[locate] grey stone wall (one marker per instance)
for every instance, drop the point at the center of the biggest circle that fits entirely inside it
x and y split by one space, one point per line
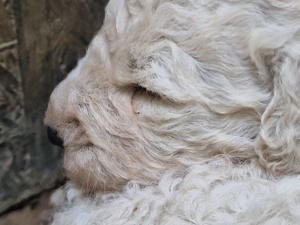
40 42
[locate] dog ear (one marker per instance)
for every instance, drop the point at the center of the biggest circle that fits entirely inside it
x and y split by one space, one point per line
276 52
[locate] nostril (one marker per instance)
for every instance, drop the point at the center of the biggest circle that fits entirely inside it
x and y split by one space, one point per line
54 138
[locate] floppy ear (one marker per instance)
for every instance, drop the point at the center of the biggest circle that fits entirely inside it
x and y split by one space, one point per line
278 144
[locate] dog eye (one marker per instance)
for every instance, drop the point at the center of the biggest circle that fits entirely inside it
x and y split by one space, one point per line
140 90
142 94
72 120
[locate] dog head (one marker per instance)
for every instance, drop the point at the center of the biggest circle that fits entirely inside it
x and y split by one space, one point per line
162 86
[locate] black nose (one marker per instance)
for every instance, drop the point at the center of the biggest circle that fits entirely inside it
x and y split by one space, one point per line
54 138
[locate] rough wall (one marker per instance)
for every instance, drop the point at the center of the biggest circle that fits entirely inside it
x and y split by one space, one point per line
40 42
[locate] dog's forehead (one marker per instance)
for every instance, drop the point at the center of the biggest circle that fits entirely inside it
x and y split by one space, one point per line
115 11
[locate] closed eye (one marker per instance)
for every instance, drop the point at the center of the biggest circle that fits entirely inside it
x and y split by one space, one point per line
140 90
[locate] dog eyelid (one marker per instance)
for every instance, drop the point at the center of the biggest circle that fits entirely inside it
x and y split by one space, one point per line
137 87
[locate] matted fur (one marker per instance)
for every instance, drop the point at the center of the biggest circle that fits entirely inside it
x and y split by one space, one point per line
184 112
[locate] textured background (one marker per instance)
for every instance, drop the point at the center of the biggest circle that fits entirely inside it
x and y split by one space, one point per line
40 42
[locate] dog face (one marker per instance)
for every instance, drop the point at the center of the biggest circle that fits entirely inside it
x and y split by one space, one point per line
162 86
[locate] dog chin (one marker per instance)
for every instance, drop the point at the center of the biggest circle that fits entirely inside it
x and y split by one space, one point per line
82 168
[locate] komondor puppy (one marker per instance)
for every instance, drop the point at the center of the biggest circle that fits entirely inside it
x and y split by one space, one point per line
183 112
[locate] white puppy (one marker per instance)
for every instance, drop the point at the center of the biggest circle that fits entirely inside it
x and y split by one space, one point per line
184 112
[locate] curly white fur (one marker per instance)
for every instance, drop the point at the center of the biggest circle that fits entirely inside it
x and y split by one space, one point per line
216 192
184 112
